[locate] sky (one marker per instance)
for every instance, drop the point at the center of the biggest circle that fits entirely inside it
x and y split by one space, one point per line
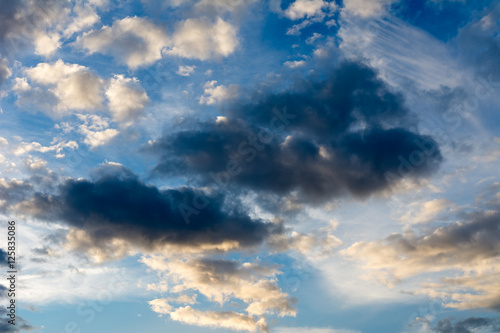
284 166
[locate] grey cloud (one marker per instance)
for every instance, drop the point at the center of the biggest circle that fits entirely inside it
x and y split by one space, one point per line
469 325
347 134
119 205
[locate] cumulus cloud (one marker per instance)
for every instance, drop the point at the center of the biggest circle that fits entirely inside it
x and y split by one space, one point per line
214 94
326 139
134 41
118 211
96 130
305 8
45 25
223 319
470 246
59 88
27 147
222 281
200 38
126 98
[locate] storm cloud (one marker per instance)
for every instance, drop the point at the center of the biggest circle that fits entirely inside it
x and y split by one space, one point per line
118 206
346 135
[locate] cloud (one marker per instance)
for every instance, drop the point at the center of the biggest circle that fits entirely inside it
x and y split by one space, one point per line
223 319
367 8
45 25
96 130
324 139
118 212
295 64
305 8
5 71
470 247
215 94
21 325
479 43
199 38
185 70
134 41
25 147
126 97
222 281
469 325
3 254
59 88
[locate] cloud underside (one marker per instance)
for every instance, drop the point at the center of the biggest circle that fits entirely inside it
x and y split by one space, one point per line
118 210
346 135
466 252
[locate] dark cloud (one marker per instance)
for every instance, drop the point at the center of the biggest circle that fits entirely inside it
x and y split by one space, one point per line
5 327
119 205
12 192
468 325
3 258
347 134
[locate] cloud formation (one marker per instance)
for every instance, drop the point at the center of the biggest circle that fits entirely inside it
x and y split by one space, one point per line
134 41
200 38
470 247
118 210
345 135
222 281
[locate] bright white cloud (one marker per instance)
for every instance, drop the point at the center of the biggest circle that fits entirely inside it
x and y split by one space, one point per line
295 63
46 44
25 147
202 39
60 88
134 41
226 319
214 94
305 8
96 130
126 97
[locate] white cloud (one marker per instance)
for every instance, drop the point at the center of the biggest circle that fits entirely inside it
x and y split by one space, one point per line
202 39
25 147
96 130
46 44
226 319
185 70
214 94
427 211
305 8
60 88
367 8
160 306
220 281
295 64
134 41
126 97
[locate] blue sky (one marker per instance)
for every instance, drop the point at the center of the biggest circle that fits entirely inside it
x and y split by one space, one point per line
312 166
